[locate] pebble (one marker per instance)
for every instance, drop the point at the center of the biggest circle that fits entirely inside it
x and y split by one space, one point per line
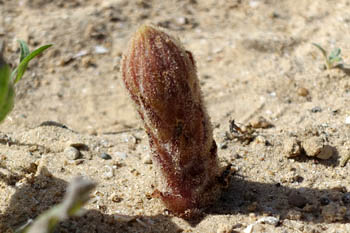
326 152
121 155
346 198
109 173
99 49
294 215
254 4
312 146
255 227
81 53
115 198
347 120
223 145
87 61
292 147
316 109
147 159
181 20
345 159
260 123
72 153
261 140
105 156
296 199
324 200
302 91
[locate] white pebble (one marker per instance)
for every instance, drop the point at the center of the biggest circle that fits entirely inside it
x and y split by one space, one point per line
347 120
72 153
109 173
99 49
147 159
121 155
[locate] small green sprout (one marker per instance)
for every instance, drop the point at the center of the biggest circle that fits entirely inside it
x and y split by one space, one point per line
8 79
77 195
331 60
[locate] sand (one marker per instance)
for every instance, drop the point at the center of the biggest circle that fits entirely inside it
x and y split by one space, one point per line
256 65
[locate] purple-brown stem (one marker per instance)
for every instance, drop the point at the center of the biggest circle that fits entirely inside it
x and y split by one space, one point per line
161 78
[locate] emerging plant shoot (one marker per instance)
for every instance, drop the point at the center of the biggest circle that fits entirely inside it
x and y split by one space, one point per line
161 79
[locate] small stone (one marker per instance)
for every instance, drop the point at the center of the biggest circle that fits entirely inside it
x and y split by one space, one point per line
312 146
105 156
302 91
296 199
64 61
181 20
147 159
260 123
81 53
345 159
347 120
121 155
326 152
292 147
99 49
72 153
87 61
115 198
316 109
324 200
294 215
346 198
109 172
261 140
254 4
271 220
223 145
53 123
33 148
78 161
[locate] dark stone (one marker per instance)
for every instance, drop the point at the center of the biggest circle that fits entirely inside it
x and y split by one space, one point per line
105 156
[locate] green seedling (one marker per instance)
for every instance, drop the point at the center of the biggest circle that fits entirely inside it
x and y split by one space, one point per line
8 79
333 59
77 195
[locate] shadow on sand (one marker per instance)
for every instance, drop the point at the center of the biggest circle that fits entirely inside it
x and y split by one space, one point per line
45 190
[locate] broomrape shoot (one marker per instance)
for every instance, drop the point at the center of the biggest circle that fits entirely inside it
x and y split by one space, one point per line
333 59
8 79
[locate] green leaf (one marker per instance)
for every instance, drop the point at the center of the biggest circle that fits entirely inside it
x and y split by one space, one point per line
335 53
335 60
77 195
8 104
7 93
24 49
24 63
324 52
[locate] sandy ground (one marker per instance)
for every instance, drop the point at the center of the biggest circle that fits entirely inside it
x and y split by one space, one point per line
254 58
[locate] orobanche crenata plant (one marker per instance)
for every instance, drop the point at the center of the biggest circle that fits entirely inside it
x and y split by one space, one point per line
161 79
